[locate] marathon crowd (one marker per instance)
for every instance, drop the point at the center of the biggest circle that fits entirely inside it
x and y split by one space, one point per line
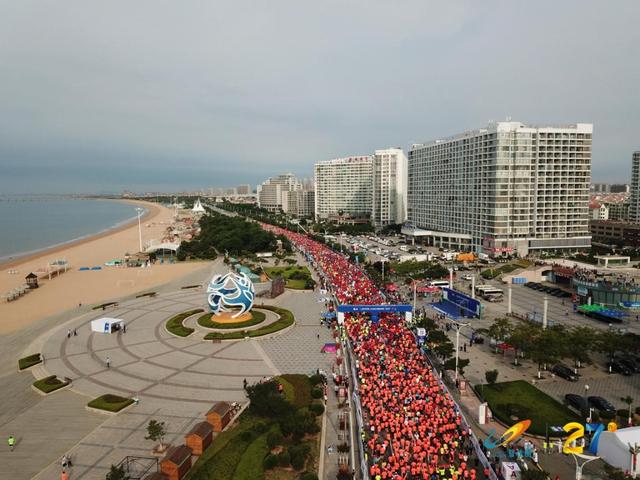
413 428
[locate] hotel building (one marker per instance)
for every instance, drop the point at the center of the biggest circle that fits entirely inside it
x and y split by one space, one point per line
505 189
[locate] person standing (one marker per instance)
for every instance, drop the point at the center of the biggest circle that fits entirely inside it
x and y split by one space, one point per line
11 441
75 332
108 362
69 333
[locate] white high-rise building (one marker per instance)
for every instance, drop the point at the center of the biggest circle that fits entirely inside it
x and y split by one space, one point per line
389 187
505 189
270 191
634 204
344 188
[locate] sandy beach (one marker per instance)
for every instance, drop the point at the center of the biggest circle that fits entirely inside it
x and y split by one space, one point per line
88 287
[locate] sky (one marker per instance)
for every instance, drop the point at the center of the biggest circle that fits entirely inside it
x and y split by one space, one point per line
155 95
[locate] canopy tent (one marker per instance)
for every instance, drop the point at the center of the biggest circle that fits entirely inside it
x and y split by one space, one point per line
106 325
600 312
615 448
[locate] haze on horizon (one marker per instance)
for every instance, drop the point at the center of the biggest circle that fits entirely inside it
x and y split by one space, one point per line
160 95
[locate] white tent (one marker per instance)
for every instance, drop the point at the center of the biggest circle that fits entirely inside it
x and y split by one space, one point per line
615 448
197 207
106 325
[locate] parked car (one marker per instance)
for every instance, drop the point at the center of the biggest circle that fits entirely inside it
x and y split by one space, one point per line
577 401
564 372
631 363
617 366
601 404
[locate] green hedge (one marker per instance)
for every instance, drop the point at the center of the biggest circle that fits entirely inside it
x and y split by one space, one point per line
110 403
256 318
286 319
175 326
50 384
29 361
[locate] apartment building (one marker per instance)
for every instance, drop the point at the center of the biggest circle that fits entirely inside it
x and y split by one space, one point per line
344 187
634 202
502 190
299 203
270 191
389 193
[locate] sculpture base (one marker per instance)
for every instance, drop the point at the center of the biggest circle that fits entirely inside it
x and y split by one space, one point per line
227 317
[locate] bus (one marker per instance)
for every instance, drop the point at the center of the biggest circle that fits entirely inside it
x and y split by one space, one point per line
439 283
485 290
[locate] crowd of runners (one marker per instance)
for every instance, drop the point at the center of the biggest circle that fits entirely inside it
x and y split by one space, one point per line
413 429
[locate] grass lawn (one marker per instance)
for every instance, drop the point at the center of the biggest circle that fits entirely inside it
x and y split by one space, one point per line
110 403
207 322
297 389
29 361
292 270
286 319
511 402
175 326
49 384
239 452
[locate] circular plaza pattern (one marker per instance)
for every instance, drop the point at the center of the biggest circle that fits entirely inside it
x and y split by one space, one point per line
150 363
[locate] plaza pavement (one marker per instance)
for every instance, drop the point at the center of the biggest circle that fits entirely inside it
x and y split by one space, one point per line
176 379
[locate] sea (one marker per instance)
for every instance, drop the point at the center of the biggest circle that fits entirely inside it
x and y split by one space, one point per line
32 223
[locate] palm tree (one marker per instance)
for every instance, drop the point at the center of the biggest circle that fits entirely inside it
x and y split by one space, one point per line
629 401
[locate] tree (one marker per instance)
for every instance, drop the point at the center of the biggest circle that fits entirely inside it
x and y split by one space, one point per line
462 363
609 342
266 400
546 346
117 473
579 342
629 401
520 337
491 376
499 330
156 432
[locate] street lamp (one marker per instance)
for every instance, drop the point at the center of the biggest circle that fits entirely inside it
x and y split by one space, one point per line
139 210
586 400
458 327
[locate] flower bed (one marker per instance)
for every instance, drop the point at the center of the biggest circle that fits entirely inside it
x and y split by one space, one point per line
50 384
207 322
29 361
286 319
174 324
110 403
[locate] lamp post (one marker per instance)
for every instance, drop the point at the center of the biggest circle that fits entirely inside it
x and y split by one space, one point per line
139 210
586 401
458 327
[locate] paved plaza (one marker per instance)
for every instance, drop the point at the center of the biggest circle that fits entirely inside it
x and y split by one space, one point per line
176 379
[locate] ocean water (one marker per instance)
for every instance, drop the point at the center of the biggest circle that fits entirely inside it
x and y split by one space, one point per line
32 223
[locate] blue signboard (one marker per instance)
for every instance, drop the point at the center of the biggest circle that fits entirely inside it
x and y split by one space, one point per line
469 307
375 310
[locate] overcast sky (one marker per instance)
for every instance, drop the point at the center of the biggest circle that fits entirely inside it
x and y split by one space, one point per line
169 95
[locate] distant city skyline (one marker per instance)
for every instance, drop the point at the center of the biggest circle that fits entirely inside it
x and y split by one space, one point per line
189 96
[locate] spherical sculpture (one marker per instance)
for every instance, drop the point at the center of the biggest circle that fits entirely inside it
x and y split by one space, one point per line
229 292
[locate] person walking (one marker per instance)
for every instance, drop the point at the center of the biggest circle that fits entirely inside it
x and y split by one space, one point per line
124 328
75 332
69 333
11 441
108 362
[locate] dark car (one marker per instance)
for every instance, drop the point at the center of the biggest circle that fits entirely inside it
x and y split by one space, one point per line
618 367
577 401
631 363
564 372
601 404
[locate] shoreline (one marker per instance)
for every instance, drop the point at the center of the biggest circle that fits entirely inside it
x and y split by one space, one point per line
151 211
78 287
